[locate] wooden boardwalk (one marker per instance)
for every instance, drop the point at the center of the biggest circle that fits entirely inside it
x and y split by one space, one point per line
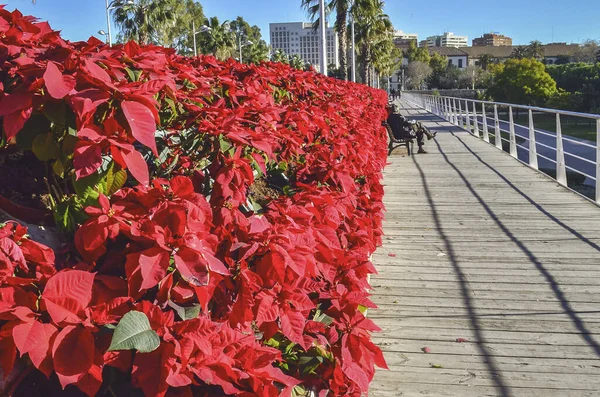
480 247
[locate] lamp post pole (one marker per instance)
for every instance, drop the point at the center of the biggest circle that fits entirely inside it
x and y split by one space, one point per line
323 38
240 42
194 34
353 50
108 23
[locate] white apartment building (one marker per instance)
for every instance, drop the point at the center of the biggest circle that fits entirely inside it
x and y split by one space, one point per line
400 35
299 38
448 39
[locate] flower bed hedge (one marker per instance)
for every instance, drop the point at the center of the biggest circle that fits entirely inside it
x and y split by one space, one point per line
218 220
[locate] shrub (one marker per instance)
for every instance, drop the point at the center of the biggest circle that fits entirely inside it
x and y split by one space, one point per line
218 220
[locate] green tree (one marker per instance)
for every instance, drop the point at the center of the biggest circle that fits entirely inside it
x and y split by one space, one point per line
519 52
280 56
587 51
374 36
297 62
438 62
522 81
581 85
178 33
254 48
446 79
485 60
219 40
143 20
417 54
535 49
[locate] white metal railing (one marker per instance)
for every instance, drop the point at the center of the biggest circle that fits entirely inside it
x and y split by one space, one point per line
526 143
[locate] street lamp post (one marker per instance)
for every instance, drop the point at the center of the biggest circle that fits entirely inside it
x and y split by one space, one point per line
323 38
242 45
353 52
110 7
203 29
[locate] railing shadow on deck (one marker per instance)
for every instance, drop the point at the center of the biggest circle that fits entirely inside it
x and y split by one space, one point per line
489 359
559 294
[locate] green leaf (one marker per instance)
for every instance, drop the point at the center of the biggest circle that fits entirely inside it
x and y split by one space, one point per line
84 185
299 391
224 144
134 333
186 313
189 85
56 112
323 318
45 147
436 365
58 168
115 179
32 128
134 75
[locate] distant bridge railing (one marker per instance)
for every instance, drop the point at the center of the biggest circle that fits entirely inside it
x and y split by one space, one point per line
574 161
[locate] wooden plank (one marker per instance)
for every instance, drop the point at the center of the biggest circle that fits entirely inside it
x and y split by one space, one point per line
528 253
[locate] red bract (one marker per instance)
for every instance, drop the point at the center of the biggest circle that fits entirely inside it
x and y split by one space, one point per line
235 206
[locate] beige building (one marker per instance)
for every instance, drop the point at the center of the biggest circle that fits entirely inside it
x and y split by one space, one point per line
492 40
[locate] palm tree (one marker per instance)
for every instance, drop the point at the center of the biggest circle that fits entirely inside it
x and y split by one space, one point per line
142 20
519 52
485 60
297 62
342 9
178 32
279 56
218 40
256 52
374 36
535 49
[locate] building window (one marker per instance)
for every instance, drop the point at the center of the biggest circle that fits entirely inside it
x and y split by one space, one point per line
460 63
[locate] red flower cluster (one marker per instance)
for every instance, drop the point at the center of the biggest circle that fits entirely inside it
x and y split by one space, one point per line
182 281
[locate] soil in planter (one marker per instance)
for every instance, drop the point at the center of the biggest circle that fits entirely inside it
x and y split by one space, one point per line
262 193
22 180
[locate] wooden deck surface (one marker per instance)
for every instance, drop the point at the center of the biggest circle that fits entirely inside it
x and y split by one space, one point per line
479 246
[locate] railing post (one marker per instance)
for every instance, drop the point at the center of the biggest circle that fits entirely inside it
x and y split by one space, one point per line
475 120
561 169
444 108
486 136
533 160
498 139
454 110
598 161
468 116
460 113
513 139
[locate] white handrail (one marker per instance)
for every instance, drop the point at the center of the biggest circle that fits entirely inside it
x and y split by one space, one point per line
464 114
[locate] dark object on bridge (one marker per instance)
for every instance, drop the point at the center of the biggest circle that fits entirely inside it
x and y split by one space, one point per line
408 142
403 131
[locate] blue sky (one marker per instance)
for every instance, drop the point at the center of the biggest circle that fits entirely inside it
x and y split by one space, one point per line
524 20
